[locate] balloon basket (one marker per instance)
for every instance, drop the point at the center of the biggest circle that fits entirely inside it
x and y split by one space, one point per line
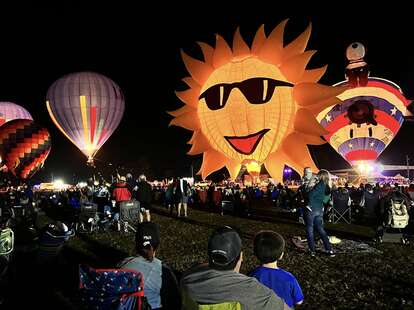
90 162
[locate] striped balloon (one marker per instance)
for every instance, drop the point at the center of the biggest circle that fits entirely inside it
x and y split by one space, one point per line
10 111
365 141
87 107
24 147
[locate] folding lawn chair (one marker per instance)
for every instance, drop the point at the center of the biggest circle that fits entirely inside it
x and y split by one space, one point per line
130 214
341 210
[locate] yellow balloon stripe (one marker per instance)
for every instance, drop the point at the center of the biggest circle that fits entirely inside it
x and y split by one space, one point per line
88 144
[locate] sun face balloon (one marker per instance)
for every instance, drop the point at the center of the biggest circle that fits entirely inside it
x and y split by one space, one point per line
254 103
367 121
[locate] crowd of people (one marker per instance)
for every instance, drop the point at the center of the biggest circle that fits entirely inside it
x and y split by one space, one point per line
266 287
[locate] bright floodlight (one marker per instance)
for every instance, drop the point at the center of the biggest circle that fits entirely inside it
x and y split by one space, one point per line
82 184
361 167
59 183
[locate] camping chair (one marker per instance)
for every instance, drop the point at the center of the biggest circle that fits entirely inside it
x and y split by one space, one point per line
227 206
88 215
112 289
6 241
50 244
19 215
341 210
130 214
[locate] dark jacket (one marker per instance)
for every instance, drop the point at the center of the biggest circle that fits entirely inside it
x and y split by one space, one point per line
144 192
371 204
317 196
186 188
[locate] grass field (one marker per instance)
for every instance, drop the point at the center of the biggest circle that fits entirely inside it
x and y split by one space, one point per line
347 281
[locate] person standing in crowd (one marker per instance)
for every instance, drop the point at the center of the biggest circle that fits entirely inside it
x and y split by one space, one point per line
90 189
220 281
183 194
132 184
307 183
169 195
101 197
313 213
144 196
269 248
309 180
160 284
120 192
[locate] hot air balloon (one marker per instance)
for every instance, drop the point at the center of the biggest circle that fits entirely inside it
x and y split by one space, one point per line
10 111
254 103
24 146
366 122
87 107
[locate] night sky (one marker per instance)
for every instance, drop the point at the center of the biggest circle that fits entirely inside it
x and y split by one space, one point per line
139 48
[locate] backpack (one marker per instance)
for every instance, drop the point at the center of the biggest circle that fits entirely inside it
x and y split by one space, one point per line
398 214
104 289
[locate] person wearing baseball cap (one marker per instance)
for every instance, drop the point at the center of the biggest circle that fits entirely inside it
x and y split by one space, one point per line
160 284
220 281
224 249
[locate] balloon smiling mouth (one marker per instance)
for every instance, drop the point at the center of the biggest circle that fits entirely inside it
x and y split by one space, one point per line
246 144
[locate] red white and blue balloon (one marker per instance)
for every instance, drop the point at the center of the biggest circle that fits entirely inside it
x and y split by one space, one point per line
366 122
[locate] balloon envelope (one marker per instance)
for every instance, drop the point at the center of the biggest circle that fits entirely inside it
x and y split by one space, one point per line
87 107
24 147
10 111
366 122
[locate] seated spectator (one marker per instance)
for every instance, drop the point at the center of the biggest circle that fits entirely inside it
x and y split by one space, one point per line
269 248
52 238
160 285
219 281
370 202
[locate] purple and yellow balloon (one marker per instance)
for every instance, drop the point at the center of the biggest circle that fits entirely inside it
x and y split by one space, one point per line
87 107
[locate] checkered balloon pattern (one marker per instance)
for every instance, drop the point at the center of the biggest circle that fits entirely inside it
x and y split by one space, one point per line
24 147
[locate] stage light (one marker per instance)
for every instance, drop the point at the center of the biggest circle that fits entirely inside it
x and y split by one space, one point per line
361 167
82 184
59 184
